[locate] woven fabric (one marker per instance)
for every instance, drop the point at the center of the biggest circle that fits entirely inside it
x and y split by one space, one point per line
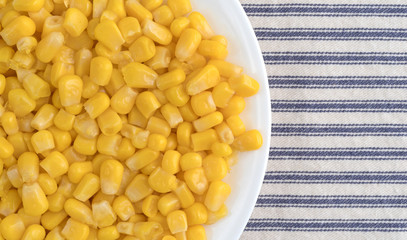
337 71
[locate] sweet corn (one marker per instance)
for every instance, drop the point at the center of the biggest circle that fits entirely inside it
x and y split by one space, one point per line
130 29
160 126
34 232
187 112
244 85
34 200
125 228
123 100
138 75
74 230
179 25
14 176
161 181
222 93
196 214
111 173
79 169
19 27
196 232
12 227
236 125
177 221
248 141
87 187
42 141
97 104
31 6
64 120
163 15
123 207
171 142
135 9
141 159
208 121
196 180
199 22
55 164
217 194
55 234
157 32
151 4
108 145
213 49
149 206
2 83
190 161
70 87
103 214
148 230
49 46
204 140
109 122
206 78
86 126
226 69
108 33
180 7
47 183
142 49
9 122
20 102
10 203
36 87
44 117
235 106
100 70
138 188
108 233
79 211
188 43
28 166
215 167
50 220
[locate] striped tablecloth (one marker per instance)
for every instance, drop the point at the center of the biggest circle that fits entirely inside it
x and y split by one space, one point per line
338 156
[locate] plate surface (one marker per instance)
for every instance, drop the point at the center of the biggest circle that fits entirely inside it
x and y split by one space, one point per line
228 18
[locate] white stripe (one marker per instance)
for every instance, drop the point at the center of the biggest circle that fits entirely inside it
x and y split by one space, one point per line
323 1
322 235
338 94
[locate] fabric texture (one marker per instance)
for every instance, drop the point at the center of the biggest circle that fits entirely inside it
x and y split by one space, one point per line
337 71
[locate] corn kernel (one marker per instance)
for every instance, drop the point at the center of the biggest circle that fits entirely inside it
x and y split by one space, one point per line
97 104
44 117
235 106
87 187
217 194
9 17
79 211
14 176
138 188
187 44
199 23
125 228
55 164
142 49
196 180
49 46
135 9
86 126
70 90
215 216
213 49
208 121
190 160
196 232
163 15
141 159
149 206
22 61
98 7
222 93
226 69
101 70
170 79
180 7
108 145
42 141
64 120
244 85
12 227
103 214
74 230
204 140
109 122
177 95
248 141
206 78
123 100
34 232
47 184
55 234
187 112
123 208
130 29
108 233
111 173
161 59
9 123
196 214
161 181
20 102
157 32
75 22
19 27
108 33
10 202
28 166
215 167
50 220
34 200
138 75
151 4
79 169
177 221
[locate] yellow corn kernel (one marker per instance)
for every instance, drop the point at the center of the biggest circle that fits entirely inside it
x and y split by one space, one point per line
221 149
158 125
55 234
103 51
184 132
177 221
98 7
204 140
235 106
196 214
215 216
84 6
196 232
39 18
125 228
213 49
163 15
49 46
74 230
177 95
103 213
179 25
161 181
108 33
108 144
12 227
4 183
36 87
169 237
97 161
187 112
108 233
27 219
171 142
151 4
170 161
190 160
217 194
79 169
125 150
215 167
79 211
149 206
9 123
58 70
140 140
56 202
62 139
87 187
148 230
196 180
137 75
53 24
55 164
24 123
50 220
14 176
6 53
141 159
89 88
117 6
157 32
130 29
180 7
244 85
208 121
34 200
102 197
123 207
82 62
171 79
147 103
226 69
147 170
135 9
6 149
168 203
19 27
236 125
27 44
221 39
75 22
97 104
34 232
44 117
172 115
222 93
248 141
206 78
86 126
47 183
18 142
64 120
10 202
65 55
138 188
42 141
2 83
111 173
225 133
21 61
109 122
31 6
8 17
101 70
66 187
70 90
161 59
199 22
129 131
187 44
157 142
123 100
142 49
83 41
28 166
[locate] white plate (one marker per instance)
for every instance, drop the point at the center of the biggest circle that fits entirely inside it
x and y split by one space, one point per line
228 18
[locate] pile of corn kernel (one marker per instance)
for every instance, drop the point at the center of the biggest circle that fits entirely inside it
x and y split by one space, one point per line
119 120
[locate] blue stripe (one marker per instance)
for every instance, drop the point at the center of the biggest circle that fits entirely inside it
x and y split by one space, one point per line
332 201
331 34
338 106
327 225
326 10
336 58
334 82
344 130
330 177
